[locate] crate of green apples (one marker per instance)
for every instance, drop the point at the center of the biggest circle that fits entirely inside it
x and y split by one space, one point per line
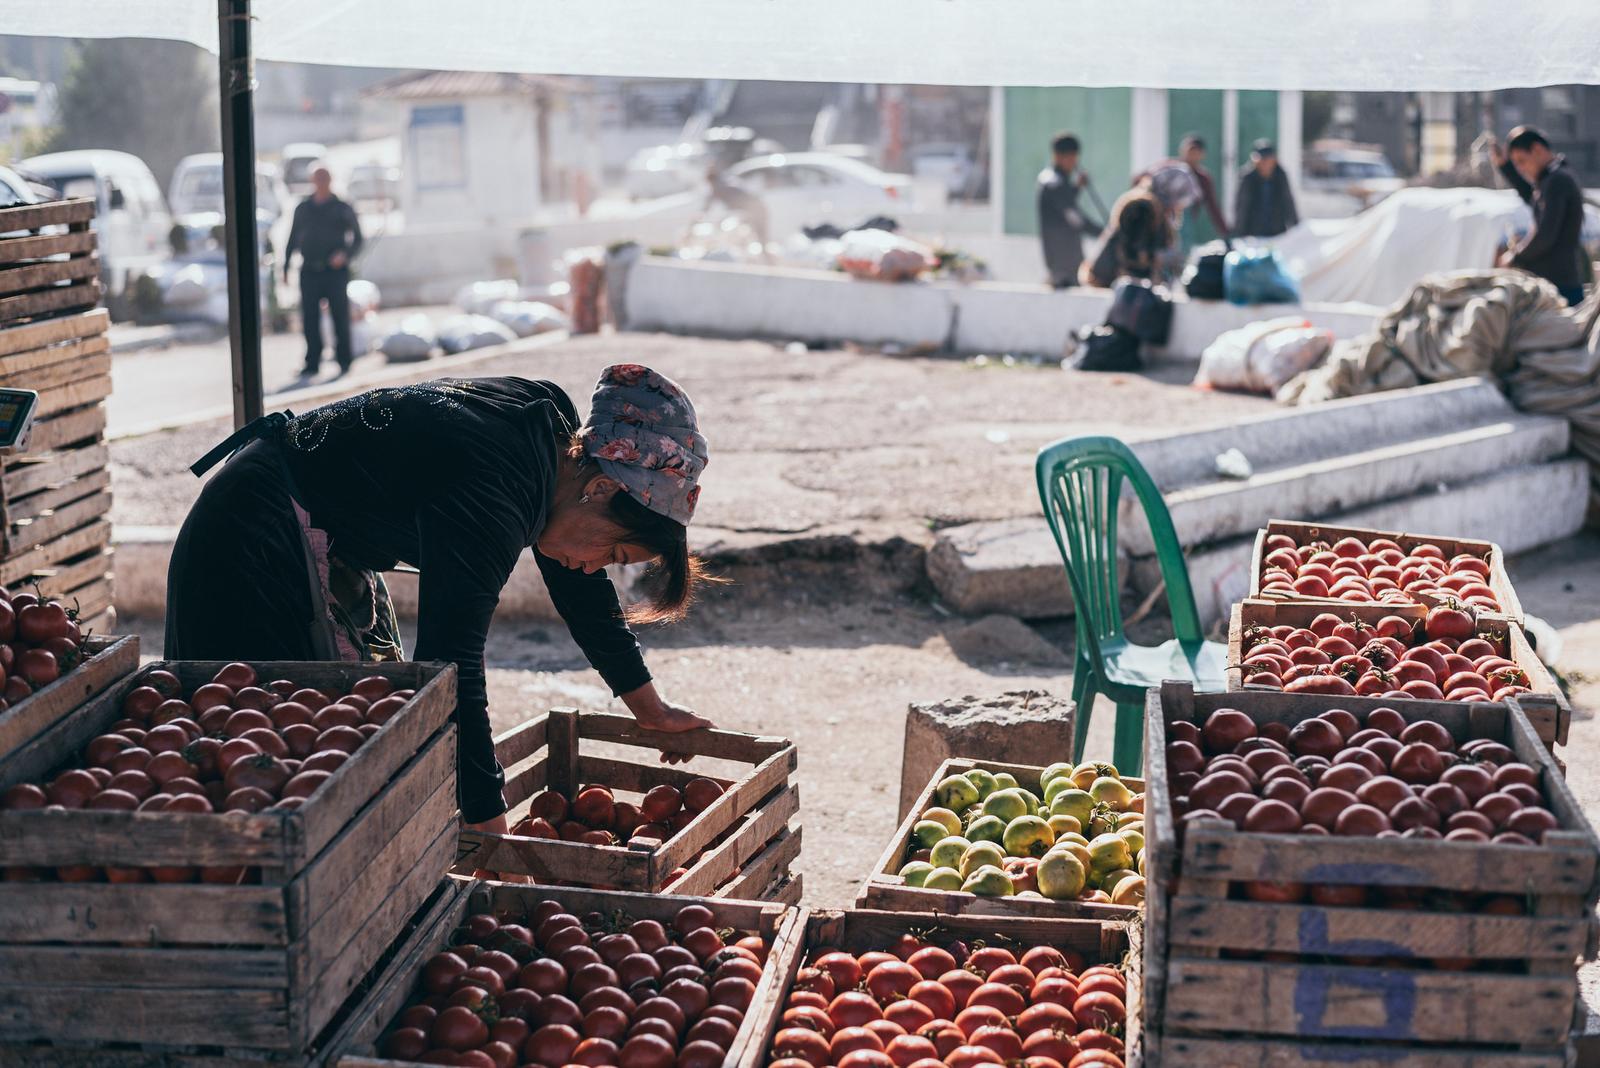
991 838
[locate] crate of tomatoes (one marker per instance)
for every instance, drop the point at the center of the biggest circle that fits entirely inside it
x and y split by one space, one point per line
214 855
49 664
1408 884
585 811
499 975
901 989
1319 563
1401 653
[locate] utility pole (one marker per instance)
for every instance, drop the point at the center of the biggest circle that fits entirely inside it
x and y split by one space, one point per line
237 85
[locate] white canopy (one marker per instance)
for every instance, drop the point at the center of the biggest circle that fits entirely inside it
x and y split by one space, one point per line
1443 45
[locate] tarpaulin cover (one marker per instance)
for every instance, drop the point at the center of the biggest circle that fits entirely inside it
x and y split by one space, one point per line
1243 44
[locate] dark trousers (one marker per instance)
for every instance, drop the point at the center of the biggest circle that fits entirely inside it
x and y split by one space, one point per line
1573 295
316 287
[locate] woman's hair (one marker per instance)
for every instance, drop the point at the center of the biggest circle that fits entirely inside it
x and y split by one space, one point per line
670 583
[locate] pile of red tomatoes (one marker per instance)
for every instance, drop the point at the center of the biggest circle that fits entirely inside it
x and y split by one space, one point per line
1377 571
551 988
919 1005
40 641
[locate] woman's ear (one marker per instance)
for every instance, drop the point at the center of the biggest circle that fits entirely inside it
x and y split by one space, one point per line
601 488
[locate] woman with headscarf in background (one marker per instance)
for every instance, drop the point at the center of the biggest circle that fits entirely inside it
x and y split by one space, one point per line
1132 245
281 556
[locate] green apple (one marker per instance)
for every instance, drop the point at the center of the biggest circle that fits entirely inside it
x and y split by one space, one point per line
928 833
1056 787
1109 881
1107 852
1077 849
948 853
1073 802
1134 838
1028 836
942 879
951 821
1004 780
1006 804
987 880
1063 824
1112 792
987 829
1053 772
1072 836
955 793
1061 876
1129 891
983 781
1032 799
916 873
980 854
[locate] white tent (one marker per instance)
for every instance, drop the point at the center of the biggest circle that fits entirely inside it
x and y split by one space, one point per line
1443 45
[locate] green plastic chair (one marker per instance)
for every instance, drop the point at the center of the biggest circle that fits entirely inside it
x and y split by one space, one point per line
1080 481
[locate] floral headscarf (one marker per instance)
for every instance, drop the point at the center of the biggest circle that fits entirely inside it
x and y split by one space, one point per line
642 432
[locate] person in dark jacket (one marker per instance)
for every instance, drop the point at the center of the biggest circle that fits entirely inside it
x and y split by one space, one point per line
1264 203
1061 224
327 235
1553 249
281 556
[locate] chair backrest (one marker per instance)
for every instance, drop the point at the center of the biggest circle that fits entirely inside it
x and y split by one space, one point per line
1080 484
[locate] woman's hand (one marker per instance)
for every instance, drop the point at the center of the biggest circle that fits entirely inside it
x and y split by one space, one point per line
498 825
653 713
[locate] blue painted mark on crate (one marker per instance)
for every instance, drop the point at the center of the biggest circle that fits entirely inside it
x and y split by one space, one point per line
1365 874
1315 983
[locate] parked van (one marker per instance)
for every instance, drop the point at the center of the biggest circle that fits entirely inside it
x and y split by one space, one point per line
197 189
298 159
131 216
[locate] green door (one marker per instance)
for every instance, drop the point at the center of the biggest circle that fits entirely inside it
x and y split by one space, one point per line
1101 118
1198 111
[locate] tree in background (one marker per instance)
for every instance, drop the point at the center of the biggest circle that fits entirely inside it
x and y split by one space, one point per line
154 99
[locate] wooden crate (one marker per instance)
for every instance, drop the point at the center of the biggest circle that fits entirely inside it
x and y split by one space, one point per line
106 660
1306 533
742 828
860 930
263 967
1345 992
886 889
1546 707
55 500
357 1045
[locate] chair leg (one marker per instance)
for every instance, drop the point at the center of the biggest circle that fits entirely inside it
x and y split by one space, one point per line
1083 690
1128 748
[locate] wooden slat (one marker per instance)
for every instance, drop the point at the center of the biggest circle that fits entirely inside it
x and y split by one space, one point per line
61 298
27 533
35 276
43 472
22 338
1393 1005
718 864
707 742
94 598
629 776
522 741
17 249
80 1055
67 580
767 870
110 660
553 863
136 839
735 801
37 505
198 1015
124 966
1184 1051
86 913
92 362
76 394
50 213
40 558
525 782
69 429
21 369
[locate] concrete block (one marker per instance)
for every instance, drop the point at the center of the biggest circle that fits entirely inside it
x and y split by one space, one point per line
1010 566
1016 727
1223 509
1024 320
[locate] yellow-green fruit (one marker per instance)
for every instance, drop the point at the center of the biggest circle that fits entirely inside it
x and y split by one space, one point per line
980 854
1077 849
955 793
1109 881
989 881
1136 804
951 821
929 833
1103 821
1072 836
983 781
1032 799
1063 824
1129 891
1055 787
1134 838
1107 852
1130 821
987 829
1073 802
942 879
1061 876
948 853
1084 775
1028 836
1006 804
1053 772
916 873
1031 895
1109 791
1004 780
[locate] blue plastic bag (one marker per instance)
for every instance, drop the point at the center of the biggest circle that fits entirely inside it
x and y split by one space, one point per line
1257 276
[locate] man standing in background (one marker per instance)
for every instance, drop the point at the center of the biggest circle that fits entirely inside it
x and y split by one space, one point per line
1264 204
1192 150
327 234
1553 249
1061 224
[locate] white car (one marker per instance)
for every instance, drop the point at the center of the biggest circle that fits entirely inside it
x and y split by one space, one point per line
374 183
197 188
802 189
1339 181
298 159
948 163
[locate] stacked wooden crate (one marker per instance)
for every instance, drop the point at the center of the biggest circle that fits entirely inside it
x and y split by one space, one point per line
55 498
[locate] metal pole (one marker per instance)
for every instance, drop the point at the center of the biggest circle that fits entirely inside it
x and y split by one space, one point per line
237 83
